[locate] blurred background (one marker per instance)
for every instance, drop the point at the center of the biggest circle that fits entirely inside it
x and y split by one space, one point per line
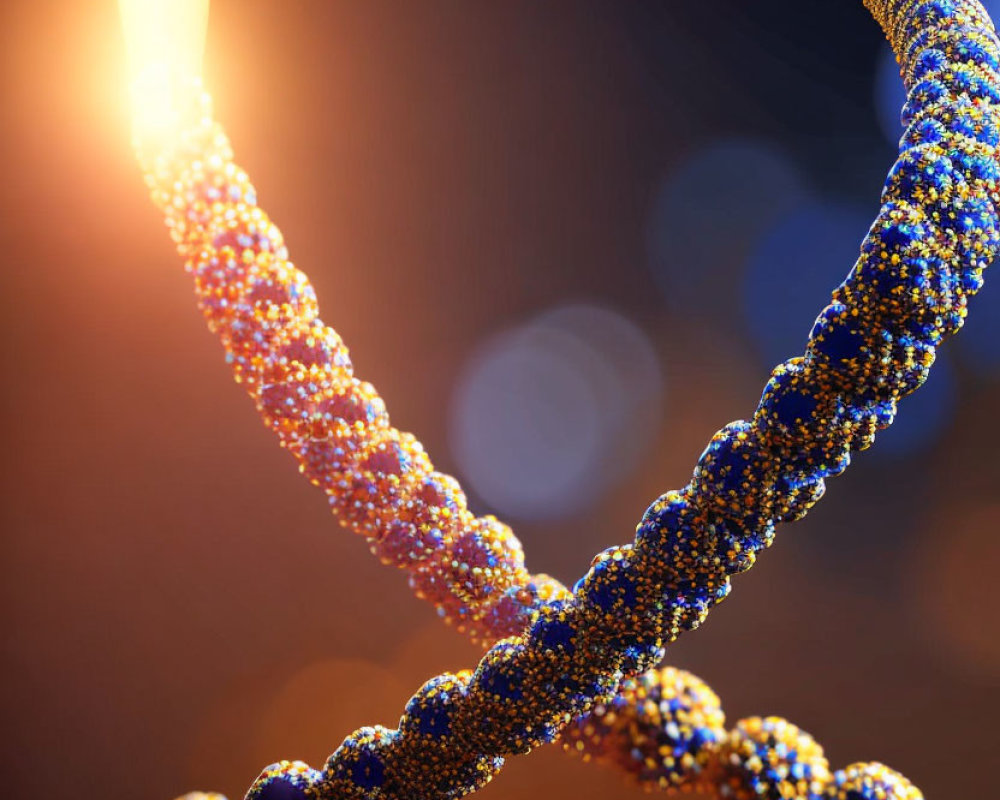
556 237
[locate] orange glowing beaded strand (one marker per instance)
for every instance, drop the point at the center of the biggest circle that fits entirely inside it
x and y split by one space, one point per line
378 478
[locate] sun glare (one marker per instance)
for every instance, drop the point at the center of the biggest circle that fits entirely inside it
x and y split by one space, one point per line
165 40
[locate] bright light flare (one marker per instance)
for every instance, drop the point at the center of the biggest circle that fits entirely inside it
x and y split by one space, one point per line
165 40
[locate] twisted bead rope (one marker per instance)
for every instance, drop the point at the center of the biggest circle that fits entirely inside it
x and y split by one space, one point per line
378 479
789 425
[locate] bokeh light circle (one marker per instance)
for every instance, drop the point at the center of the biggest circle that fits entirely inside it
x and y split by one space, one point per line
793 269
549 415
708 212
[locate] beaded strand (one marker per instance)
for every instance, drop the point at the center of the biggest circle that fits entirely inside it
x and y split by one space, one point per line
379 481
870 347
251 315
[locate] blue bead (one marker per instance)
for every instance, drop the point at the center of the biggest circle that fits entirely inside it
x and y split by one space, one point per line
962 80
793 407
498 680
819 463
434 721
900 235
976 167
287 783
554 633
281 790
607 586
972 281
964 123
368 771
916 171
661 526
832 336
924 131
930 60
978 54
925 93
932 11
432 710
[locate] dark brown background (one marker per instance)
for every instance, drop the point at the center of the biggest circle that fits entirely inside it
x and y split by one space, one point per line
178 607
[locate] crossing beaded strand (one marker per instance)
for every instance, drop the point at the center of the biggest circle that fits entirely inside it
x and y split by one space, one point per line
870 347
297 370
378 479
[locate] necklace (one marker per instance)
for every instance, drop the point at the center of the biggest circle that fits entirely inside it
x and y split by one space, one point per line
872 345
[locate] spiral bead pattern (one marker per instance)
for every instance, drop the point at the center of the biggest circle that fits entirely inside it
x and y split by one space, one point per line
663 729
870 782
771 759
870 347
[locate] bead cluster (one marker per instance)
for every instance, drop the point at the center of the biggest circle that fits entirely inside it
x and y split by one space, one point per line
869 348
664 729
379 480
